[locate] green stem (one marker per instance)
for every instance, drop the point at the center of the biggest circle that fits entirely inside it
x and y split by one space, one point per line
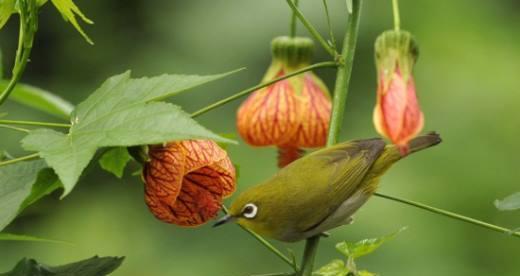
329 25
262 85
309 254
271 247
451 215
312 30
19 159
15 128
397 18
344 72
293 20
338 108
17 74
28 22
32 123
266 243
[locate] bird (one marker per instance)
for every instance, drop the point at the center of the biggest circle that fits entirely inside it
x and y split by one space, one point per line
319 191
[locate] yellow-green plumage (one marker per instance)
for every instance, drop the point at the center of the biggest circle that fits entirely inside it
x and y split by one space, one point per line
321 190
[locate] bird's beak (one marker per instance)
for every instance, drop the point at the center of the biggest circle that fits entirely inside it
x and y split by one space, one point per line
223 220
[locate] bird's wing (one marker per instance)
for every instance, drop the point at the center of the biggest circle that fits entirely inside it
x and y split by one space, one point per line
343 167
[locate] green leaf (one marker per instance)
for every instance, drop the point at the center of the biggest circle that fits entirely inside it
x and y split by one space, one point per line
7 7
16 182
121 113
69 10
46 183
39 99
115 160
4 155
17 237
364 247
95 266
334 268
509 203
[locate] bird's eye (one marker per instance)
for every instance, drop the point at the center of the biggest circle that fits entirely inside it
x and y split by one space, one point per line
249 211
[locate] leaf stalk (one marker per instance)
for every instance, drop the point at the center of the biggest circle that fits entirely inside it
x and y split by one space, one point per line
262 85
33 123
452 215
19 159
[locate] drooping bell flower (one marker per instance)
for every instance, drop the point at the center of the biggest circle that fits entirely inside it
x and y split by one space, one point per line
185 181
397 115
290 114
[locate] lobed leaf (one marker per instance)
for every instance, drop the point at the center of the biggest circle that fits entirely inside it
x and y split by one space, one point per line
46 183
121 113
39 99
510 203
364 247
7 7
69 10
114 161
16 182
22 184
95 266
333 268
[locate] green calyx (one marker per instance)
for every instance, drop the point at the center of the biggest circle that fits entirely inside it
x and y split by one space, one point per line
139 153
395 49
292 52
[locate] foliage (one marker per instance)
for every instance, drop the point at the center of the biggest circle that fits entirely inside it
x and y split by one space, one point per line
39 99
66 8
114 160
127 112
69 11
6 9
16 182
352 251
122 112
95 266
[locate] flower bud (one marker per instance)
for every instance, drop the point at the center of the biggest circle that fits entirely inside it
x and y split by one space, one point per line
185 181
397 115
290 114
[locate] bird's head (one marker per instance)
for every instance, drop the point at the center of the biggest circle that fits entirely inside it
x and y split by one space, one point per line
251 211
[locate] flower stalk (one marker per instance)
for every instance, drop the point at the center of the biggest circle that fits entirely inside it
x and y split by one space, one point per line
312 30
397 18
293 21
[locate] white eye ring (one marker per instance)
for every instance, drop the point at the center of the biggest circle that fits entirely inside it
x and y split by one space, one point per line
249 211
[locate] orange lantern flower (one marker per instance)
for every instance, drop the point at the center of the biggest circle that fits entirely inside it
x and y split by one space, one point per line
397 115
290 114
185 181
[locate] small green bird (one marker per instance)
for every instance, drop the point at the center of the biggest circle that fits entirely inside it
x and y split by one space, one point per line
320 191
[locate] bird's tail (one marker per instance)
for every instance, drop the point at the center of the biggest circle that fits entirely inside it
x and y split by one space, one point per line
393 153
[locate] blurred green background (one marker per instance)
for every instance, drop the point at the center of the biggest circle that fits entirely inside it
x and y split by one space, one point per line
467 76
